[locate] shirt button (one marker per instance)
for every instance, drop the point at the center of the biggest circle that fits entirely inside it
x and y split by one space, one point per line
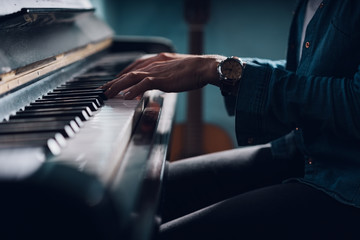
307 44
310 161
321 5
250 140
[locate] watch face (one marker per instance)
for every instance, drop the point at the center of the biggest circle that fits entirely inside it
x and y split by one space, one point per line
231 69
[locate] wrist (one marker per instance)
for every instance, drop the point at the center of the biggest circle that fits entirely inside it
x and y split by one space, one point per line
213 75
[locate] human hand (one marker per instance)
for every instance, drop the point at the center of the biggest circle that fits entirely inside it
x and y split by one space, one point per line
168 72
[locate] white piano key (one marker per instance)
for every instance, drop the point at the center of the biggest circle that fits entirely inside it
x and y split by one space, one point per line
98 146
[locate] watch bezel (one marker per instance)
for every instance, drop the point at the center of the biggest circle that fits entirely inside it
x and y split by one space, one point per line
227 84
221 64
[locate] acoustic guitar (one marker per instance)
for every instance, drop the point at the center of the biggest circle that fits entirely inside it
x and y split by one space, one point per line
194 137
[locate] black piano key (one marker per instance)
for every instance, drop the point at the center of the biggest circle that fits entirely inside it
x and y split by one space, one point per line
87 81
83 92
74 113
80 87
55 98
75 94
35 127
72 91
77 91
42 123
95 76
88 104
68 100
77 120
28 137
83 85
31 109
90 80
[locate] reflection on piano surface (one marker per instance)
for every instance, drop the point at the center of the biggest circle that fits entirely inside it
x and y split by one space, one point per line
74 164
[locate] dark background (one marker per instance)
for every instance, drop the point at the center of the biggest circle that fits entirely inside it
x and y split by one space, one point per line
244 28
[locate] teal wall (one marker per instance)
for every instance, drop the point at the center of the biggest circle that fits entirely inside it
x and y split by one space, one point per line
245 28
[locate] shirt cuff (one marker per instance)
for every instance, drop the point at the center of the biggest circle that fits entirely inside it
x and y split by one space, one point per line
230 101
251 104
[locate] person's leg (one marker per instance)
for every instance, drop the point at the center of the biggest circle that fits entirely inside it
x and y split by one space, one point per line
282 211
197 182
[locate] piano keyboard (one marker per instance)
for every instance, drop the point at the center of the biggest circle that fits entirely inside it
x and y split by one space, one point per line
68 156
73 123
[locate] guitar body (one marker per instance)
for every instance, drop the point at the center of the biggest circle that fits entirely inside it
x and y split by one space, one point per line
196 137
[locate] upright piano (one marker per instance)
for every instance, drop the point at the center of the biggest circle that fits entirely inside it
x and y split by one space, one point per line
73 164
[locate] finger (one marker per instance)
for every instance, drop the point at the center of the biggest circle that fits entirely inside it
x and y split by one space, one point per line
139 69
116 87
126 81
108 84
130 68
139 88
114 90
140 63
144 62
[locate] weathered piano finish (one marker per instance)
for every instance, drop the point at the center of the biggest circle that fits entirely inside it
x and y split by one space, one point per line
105 181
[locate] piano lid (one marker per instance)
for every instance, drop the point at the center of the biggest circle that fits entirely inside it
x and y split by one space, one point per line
35 37
10 7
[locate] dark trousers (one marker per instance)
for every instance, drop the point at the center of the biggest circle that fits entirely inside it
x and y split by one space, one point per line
240 194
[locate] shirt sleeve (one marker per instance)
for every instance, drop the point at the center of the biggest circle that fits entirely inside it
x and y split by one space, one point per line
272 101
230 101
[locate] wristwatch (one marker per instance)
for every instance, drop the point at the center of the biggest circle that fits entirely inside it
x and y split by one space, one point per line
230 71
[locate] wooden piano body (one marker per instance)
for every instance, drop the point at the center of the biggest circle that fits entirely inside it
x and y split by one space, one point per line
99 177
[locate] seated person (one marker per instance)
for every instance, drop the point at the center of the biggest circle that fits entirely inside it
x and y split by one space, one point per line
300 179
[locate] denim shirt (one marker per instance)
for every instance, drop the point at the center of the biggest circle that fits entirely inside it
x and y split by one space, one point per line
311 107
